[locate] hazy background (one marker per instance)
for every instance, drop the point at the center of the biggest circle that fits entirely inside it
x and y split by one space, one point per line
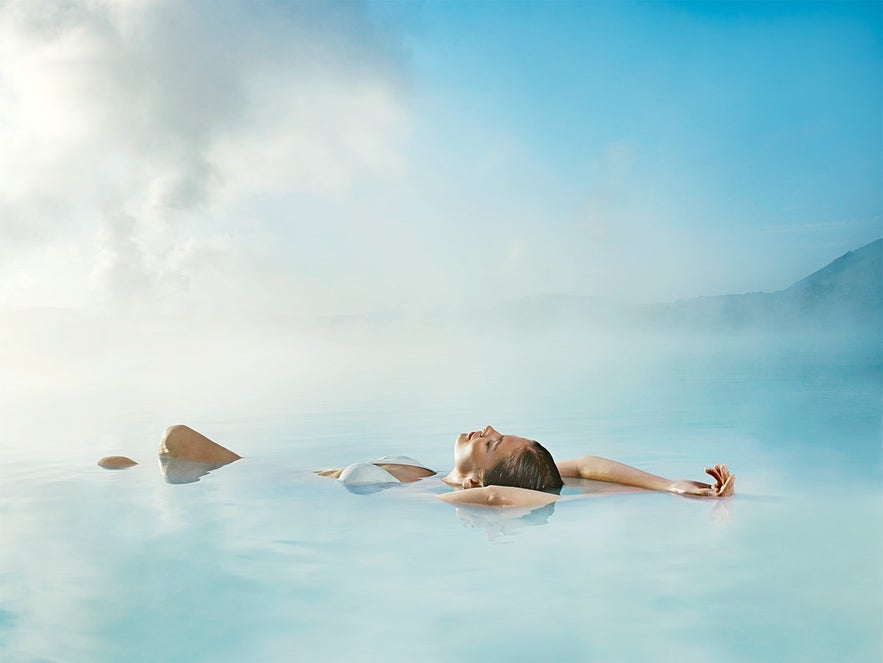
237 202
323 232
344 157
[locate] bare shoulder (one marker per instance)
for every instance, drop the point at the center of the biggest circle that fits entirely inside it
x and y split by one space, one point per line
571 468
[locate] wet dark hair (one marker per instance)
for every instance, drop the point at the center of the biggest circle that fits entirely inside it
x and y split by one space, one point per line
533 467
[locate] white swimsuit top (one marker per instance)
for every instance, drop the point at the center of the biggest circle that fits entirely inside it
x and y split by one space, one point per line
361 474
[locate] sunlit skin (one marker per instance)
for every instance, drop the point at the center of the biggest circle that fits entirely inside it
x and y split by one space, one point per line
475 453
478 451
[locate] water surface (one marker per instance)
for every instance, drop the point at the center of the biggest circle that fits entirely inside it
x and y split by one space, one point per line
263 560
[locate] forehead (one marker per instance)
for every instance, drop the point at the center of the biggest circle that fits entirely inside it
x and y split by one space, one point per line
516 441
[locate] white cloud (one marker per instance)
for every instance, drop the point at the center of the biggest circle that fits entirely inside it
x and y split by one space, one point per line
130 129
317 140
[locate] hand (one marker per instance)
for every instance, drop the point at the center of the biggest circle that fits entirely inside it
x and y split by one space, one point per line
334 473
724 484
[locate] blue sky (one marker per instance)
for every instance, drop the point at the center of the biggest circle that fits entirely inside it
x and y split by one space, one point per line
343 157
744 131
755 101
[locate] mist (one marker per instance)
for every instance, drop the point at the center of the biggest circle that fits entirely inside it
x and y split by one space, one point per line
238 209
80 386
320 233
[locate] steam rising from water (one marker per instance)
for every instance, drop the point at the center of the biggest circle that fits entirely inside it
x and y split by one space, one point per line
70 377
188 189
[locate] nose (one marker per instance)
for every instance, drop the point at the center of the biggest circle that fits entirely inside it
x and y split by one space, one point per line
489 430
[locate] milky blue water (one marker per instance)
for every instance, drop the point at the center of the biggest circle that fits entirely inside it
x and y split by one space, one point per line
264 561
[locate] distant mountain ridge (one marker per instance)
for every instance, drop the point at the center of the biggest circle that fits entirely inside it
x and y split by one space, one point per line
847 290
854 279
846 294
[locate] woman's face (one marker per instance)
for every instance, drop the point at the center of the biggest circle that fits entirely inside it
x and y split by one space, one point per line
478 451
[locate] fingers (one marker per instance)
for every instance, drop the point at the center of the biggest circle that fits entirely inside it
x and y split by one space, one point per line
720 474
724 482
729 487
724 475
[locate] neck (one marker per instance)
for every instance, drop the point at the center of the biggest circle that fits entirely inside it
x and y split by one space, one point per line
454 479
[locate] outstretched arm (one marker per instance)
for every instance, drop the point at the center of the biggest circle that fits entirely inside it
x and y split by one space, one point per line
498 496
602 469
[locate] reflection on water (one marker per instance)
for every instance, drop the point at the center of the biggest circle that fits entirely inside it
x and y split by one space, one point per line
504 522
175 470
368 488
265 560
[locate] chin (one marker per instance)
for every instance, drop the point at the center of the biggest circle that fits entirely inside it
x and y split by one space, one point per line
462 438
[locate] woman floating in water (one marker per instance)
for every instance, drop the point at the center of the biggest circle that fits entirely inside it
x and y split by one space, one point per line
492 469
506 470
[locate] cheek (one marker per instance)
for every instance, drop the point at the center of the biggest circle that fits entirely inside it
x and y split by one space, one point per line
464 459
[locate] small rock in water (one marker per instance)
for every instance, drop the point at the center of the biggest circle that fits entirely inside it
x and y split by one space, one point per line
116 462
185 443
